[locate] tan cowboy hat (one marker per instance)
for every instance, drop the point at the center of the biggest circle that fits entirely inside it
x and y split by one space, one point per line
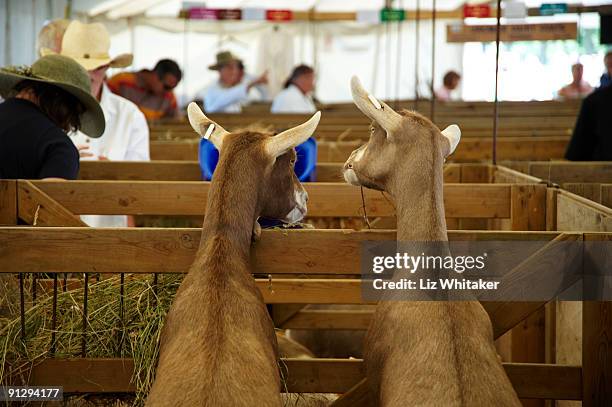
64 73
89 44
223 58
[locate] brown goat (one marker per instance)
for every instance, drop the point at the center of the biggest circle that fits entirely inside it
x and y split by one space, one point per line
422 353
218 346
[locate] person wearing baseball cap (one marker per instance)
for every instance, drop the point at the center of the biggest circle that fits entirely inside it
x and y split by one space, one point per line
126 137
230 92
44 102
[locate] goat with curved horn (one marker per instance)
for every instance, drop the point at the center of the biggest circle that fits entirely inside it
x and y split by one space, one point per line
204 126
288 139
376 110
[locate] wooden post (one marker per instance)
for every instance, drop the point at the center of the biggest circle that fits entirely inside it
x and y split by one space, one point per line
8 202
528 212
596 353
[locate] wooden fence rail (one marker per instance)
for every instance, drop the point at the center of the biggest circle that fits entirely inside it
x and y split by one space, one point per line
470 149
189 198
85 375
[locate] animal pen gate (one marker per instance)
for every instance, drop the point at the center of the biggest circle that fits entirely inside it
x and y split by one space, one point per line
526 205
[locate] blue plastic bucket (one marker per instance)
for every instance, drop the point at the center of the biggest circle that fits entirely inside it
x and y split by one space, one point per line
304 166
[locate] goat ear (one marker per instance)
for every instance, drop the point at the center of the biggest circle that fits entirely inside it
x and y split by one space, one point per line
204 126
376 110
288 139
453 135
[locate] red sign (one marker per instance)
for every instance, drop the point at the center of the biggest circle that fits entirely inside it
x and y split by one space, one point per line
477 11
279 15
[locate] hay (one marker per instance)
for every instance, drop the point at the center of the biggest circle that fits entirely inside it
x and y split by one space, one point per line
136 335
107 336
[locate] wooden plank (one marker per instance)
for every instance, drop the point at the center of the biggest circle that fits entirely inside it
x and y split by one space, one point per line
152 250
174 150
590 191
325 199
606 195
8 202
503 174
357 396
511 32
141 170
551 209
539 267
37 208
85 375
597 353
311 291
283 312
190 171
329 319
562 172
528 207
575 213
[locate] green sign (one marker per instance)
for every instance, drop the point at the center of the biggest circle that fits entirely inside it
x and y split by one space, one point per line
389 14
548 9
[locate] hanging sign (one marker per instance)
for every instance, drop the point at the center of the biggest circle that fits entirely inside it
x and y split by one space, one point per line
279 15
201 13
253 14
514 9
368 16
549 9
476 10
388 14
229 14
512 32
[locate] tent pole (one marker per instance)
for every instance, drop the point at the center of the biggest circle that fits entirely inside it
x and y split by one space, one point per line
496 103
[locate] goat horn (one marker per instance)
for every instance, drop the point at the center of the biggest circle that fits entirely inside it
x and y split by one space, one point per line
204 126
288 139
376 110
453 134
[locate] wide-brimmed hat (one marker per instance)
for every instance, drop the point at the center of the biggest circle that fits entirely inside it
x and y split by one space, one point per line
223 58
66 74
89 44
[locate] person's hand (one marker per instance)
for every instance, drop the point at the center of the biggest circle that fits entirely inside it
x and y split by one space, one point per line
83 153
261 80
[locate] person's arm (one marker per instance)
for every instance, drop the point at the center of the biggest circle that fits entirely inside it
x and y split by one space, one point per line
217 99
59 160
138 143
580 147
172 111
114 83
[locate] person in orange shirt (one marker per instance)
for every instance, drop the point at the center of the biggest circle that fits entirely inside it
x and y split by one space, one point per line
150 90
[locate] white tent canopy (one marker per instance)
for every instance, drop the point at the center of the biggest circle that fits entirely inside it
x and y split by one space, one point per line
382 55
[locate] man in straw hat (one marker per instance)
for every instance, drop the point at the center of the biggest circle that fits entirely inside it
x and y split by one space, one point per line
127 135
44 102
229 93
50 36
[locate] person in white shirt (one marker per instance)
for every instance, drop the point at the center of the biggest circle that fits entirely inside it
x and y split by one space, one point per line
449 84
297 95
126 137
230 92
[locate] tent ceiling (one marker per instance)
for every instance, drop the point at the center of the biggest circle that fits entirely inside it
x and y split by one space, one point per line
114 9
